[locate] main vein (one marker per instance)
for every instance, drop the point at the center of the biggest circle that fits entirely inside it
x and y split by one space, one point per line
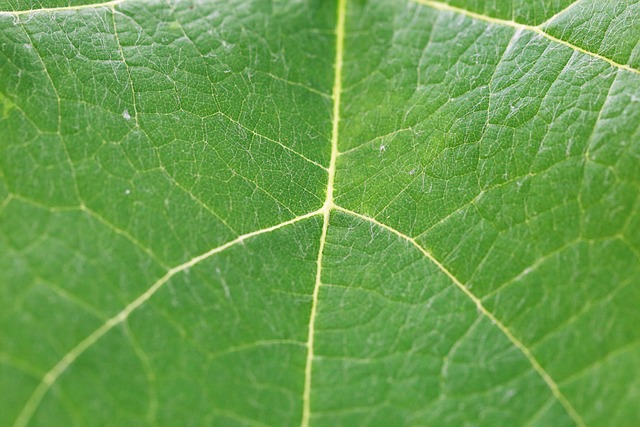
51 377
327 207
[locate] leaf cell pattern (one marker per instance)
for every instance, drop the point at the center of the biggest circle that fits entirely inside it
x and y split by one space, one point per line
319 213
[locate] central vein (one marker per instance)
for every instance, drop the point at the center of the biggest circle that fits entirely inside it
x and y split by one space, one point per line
327 207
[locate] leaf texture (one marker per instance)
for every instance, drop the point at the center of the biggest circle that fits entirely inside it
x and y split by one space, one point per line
319 213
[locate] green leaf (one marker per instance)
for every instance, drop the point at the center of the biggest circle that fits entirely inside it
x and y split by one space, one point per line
319 213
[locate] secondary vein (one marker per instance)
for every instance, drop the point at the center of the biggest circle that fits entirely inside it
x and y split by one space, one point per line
61 9
551 384
52 376
535 29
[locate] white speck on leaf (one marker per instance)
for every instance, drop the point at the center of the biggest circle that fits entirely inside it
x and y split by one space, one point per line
127 191
126 114
509 394
224 284
526 271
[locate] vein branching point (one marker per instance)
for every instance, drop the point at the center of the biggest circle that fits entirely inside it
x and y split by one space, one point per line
551 383
52 376
325 211
327 207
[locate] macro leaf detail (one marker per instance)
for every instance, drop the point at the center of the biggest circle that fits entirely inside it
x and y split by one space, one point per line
319 212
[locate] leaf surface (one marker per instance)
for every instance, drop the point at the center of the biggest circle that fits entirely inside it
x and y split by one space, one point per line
319 213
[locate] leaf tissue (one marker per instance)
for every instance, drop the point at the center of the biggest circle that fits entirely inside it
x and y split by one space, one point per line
319 213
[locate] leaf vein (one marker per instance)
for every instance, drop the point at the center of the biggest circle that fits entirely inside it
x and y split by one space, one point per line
535 29
326 208
551 384
63 364
61 9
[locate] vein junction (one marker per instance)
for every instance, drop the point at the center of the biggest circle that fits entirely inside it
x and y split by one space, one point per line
553 386
328 206
51 377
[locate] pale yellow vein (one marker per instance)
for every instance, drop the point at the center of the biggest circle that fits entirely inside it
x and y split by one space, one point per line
51 377
551 384
327 207
535 29
62 8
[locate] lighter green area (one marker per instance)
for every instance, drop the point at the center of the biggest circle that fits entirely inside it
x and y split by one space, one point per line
322 213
